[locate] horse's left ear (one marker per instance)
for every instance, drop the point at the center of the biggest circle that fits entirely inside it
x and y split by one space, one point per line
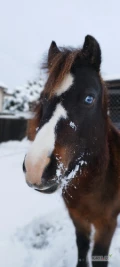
53 50
92 50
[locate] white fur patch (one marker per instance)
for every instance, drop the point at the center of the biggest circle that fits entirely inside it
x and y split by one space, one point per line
65 85
91 246
45 138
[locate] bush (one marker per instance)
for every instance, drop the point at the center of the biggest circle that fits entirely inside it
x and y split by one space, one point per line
22 97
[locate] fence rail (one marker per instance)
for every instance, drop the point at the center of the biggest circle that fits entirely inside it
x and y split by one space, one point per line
114 101
12 129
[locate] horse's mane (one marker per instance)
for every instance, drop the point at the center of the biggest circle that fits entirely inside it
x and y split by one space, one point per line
60 65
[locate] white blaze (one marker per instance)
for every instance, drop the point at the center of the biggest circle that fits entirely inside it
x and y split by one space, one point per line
65 85
42 147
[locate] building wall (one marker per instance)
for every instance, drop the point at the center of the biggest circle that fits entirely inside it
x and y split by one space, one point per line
1 99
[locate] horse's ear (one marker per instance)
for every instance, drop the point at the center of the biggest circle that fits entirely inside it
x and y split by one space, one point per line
53 50
92 50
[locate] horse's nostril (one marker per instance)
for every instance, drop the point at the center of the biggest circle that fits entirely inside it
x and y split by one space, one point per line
34 186
30 184
24 169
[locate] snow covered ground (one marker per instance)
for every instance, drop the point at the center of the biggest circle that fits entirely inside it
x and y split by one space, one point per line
35 229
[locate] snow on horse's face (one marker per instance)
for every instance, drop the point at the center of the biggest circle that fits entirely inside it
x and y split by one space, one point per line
72 115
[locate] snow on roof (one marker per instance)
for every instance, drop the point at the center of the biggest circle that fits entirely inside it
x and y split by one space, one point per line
3 86
111 77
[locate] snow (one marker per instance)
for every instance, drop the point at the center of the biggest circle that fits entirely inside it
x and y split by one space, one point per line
112 77
3 85
35 229
32 225
21 97
64 181
25 115
72 125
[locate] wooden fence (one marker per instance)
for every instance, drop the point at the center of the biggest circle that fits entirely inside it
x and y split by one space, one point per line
12 128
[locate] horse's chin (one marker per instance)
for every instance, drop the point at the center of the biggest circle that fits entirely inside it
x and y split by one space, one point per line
48 190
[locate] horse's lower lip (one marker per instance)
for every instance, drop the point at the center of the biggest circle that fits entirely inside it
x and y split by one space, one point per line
44 188
48 190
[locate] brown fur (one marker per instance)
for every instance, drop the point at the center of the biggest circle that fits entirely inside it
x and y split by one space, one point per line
33 123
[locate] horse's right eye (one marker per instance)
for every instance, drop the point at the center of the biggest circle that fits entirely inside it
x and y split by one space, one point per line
89 100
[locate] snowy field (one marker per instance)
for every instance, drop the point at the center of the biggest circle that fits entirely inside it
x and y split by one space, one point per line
35 229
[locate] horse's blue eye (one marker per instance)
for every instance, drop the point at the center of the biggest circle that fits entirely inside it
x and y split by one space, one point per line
89 99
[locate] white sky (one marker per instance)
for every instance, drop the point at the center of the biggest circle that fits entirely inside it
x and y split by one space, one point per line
27 28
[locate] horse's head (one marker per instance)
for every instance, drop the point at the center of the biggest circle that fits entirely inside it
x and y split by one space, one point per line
71 117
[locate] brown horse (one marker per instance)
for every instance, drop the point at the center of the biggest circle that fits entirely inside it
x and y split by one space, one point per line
77 146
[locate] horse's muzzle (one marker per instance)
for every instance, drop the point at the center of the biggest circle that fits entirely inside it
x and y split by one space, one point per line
44 186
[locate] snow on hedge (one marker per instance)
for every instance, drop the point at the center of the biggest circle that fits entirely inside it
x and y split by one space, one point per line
21 97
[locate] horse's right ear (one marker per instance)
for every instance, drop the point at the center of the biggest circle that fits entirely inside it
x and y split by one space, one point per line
53 50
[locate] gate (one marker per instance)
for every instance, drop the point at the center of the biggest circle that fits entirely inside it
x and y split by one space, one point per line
114 101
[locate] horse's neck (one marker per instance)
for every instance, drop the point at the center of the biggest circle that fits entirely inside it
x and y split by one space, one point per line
96 154
106 159
110 184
